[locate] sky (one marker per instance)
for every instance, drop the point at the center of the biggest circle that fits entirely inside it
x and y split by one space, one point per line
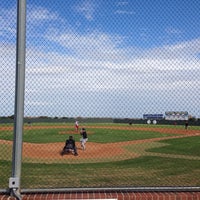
105 58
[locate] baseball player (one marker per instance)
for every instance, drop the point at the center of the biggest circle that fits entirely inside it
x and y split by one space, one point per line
70 146
84 138
76 126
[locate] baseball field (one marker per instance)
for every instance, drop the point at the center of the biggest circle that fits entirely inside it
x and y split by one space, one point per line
116 155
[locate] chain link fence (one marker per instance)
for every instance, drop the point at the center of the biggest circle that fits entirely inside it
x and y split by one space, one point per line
7 84
115 72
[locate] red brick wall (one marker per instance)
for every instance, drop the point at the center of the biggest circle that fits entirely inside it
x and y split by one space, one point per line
109 195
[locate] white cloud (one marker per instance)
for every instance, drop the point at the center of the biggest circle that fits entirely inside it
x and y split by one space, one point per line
173 31
40 14
99 55
123 9
87 9
39 103
91 46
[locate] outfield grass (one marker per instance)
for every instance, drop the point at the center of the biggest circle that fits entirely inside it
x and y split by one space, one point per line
182 146
97 135
108 135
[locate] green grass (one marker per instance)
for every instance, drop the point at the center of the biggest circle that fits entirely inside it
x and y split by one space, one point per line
5 173
182 146
108 135
102 135
143 171
6 135
97 135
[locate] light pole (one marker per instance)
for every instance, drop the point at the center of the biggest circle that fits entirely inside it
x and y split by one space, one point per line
14 181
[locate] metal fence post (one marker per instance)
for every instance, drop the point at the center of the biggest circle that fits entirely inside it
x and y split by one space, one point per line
14 181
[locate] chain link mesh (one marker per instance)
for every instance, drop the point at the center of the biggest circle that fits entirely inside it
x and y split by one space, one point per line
105 78
7 87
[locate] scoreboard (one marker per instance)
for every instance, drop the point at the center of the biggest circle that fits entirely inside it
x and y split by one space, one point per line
176 115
